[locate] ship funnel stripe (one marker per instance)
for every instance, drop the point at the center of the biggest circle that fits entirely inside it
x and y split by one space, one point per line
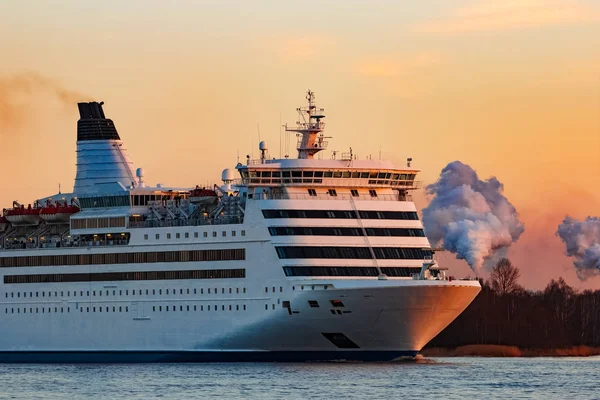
101 156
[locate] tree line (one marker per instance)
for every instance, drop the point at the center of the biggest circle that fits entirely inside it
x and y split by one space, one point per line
504 313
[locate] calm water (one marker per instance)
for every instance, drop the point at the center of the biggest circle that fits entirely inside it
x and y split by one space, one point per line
453 378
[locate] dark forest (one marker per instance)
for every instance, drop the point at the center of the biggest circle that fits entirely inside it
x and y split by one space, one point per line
506 314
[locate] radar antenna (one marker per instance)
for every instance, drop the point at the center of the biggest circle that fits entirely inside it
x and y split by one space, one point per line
309 128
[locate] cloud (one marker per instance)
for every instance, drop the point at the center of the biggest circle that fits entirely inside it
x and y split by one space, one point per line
471 217
582 240
388 67
303 48
503 15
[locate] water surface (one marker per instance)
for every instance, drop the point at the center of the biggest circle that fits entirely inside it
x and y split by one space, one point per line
435 378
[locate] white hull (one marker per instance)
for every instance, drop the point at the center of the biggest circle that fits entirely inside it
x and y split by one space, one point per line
382 316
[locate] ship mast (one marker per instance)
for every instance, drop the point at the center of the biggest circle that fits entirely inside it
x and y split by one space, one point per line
309 128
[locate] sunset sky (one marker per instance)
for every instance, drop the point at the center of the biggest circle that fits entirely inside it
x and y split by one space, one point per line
510 87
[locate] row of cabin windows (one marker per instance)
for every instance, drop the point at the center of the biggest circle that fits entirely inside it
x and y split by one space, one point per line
186 235
62 310
127 276
126 292
98 223
333 192
326 231
351 271
215 307
104 201
274 289
125 258
381 253
341 214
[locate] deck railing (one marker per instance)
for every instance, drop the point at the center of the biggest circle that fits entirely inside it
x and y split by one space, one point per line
341 196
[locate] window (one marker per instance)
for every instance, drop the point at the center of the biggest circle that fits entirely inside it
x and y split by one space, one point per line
401 271
243 233
232 233
312 192
337 303
313 231
382 253
354 192
350 271
205 234
146 236
332 192
341 214
168 236
121 258
128 276
215 234
313 304
187 235
373 192
195 234
157 236
224 233
178 235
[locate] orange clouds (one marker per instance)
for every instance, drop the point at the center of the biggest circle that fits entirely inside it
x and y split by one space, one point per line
500 15
303 47
401 66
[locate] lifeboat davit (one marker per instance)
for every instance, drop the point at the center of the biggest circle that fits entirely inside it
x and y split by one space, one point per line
23 216
203 196
58 214
3 224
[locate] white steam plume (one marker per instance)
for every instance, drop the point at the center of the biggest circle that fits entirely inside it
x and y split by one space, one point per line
582 239
470 217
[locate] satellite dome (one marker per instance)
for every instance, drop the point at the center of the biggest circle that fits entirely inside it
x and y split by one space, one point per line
227 175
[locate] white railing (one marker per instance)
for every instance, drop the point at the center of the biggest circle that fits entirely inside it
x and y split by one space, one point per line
186 222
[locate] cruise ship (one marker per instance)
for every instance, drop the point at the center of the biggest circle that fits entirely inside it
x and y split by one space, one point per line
293 259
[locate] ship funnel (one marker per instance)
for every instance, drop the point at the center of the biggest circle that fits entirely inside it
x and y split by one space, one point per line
102 161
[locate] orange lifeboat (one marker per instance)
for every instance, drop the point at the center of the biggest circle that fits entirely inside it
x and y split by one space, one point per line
202 196
58 213
19 215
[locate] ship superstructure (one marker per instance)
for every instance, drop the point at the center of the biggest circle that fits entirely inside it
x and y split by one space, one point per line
293 259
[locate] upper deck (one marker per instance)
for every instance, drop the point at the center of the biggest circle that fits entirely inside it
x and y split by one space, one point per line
108 200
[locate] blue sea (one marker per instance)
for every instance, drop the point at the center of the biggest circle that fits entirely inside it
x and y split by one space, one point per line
428 378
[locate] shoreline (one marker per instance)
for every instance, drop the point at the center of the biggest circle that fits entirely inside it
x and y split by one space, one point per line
492 350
